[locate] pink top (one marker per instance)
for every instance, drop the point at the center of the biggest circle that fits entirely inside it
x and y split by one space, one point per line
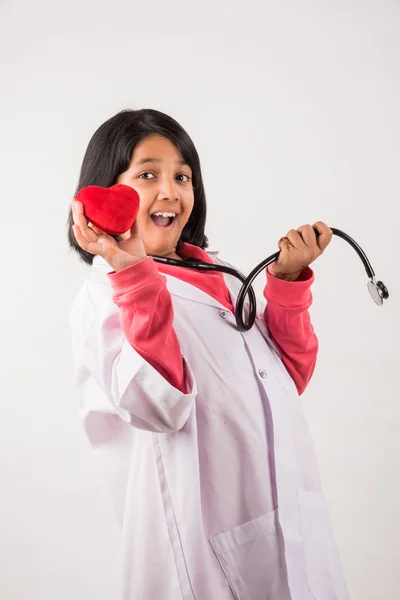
147 315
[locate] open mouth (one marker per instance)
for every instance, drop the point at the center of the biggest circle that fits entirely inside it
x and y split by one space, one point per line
164 220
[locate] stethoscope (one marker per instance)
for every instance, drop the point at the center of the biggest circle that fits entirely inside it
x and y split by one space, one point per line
378 291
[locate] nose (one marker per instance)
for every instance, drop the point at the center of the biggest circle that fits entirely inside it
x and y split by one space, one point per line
169 190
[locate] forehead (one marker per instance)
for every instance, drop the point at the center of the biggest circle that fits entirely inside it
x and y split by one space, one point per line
158 147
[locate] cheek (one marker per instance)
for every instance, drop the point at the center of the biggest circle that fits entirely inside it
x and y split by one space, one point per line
145 204
188 202
143 216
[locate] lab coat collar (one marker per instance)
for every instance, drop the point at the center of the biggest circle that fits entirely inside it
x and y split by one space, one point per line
180 288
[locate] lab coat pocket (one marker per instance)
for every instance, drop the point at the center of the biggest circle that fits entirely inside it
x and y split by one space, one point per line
318 544
251 559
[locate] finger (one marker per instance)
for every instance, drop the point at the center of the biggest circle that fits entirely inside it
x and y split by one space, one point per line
136 230
85 244
80 220
295 239
97 230
284 244
308 235
325 235
77 207
78 214
74 210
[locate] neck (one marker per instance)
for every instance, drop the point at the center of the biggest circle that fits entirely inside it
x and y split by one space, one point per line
173 255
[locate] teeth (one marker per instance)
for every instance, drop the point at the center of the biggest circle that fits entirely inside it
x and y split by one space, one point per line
164 214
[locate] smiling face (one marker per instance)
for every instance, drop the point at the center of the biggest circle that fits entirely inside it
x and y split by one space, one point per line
163 181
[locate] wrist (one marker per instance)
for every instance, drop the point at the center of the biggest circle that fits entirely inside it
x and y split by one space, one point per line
122 260
285 276
129 263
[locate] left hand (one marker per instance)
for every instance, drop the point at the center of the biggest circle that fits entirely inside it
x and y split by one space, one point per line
299 248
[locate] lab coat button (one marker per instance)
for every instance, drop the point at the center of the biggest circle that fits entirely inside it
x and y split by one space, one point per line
263 373
223 314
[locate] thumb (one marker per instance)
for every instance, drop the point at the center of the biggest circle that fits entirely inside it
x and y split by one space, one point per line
136 230
284 244
104 243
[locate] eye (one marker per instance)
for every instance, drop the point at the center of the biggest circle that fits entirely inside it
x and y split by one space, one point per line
145 175
186 177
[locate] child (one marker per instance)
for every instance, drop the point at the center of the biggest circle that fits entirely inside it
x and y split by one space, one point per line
198 426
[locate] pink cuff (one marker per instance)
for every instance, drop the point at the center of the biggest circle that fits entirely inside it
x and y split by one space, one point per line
290 294
134 277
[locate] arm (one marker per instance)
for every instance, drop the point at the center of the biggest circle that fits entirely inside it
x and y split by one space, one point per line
146 319
289 324
141 388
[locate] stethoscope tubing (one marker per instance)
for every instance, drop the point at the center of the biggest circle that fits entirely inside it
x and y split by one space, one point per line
247 288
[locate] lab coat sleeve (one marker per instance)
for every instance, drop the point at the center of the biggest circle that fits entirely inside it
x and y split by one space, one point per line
289 324
139 385
146 315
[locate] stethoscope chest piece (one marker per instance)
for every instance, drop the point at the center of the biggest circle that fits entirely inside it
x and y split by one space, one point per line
378 291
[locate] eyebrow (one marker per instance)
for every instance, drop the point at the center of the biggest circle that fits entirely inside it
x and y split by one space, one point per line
158 160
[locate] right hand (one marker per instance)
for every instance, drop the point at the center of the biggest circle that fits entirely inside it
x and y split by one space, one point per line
119 255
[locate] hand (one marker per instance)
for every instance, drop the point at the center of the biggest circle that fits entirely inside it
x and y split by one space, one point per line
119 255
299 249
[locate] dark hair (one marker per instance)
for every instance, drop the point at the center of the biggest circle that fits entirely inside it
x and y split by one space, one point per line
109 154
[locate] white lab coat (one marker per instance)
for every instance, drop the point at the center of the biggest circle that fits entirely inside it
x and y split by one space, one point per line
217 491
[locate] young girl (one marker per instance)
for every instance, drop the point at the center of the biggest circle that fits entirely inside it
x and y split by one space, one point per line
198 426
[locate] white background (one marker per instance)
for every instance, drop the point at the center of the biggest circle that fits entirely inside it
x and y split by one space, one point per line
294 109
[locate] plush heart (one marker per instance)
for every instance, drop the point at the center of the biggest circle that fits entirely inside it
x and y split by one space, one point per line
113 209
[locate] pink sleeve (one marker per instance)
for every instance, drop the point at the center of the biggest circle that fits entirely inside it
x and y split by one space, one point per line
290 326
147 315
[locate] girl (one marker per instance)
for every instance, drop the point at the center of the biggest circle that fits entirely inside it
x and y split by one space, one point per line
198 426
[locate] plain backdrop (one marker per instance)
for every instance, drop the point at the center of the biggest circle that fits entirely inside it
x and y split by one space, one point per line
294 109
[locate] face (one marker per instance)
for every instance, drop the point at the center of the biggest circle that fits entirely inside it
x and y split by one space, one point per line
163 181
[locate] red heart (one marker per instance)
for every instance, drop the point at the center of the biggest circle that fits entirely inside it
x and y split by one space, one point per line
113 210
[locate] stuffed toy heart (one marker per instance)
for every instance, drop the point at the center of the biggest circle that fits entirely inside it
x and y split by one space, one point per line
113 210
